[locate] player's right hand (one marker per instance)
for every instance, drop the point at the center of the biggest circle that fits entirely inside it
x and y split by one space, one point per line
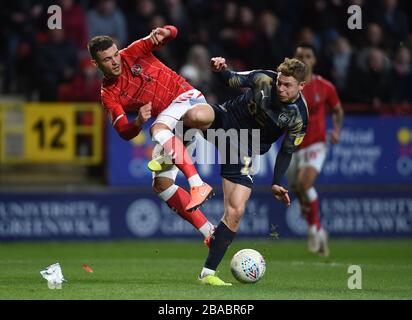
281 194
218 64
145 112
334 136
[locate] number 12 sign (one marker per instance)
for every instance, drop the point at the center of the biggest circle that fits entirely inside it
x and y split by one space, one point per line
49 132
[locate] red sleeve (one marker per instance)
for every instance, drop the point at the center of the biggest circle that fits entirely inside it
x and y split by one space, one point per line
144 46
173 32
139 48
127 130
332 98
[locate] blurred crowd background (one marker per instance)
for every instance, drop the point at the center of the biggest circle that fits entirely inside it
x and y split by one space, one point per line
371 67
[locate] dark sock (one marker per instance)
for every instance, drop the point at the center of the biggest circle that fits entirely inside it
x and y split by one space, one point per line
222 238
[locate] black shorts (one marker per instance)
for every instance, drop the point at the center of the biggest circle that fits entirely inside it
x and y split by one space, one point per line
236 163
233 173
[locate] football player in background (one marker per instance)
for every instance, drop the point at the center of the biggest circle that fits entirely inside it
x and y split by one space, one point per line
136 81
307 162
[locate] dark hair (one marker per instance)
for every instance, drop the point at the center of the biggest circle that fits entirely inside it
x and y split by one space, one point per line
306 45
99 43
294 68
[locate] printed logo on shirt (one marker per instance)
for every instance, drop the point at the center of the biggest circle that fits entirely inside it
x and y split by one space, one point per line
298 140
283 119
136 69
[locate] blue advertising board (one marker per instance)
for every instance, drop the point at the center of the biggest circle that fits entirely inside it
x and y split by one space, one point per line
372 150
142 215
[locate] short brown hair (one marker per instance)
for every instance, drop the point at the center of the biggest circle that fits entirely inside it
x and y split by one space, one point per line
99 43
293 67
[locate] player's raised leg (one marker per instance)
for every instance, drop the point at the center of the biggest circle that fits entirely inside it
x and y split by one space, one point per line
177 199
162 133
235 198
200 116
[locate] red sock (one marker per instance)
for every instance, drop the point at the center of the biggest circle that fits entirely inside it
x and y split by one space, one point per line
178 203
181 158
311 212
305 210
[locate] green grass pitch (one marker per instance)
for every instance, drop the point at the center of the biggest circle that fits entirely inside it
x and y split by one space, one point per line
143 270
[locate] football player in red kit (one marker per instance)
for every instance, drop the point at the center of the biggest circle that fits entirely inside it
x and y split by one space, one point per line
136 81
307 162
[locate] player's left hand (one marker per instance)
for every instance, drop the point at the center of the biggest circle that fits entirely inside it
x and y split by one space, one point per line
335 136
158 35
218 64
281 194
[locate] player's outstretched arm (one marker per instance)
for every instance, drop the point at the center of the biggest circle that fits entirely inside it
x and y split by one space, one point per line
231 78
156 39
160 36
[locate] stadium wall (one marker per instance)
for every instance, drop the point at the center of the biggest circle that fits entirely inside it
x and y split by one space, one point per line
139 214
365 191
372 150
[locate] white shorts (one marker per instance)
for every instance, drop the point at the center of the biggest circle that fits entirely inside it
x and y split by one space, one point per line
312 156
178 108
170 116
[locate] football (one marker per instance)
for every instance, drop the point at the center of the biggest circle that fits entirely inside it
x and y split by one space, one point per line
248 266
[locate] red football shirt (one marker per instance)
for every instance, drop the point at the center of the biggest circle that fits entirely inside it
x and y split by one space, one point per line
319 93
143 79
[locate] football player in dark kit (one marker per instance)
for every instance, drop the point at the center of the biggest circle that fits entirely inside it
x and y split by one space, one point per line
275 107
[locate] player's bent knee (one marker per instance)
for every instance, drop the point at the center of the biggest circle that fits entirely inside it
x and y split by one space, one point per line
200 117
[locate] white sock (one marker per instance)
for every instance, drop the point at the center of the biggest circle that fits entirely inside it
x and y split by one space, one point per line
206 272
207 229
163 136
168 193
195 180
311 194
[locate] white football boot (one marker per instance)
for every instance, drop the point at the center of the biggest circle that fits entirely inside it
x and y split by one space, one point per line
323 243
313 239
